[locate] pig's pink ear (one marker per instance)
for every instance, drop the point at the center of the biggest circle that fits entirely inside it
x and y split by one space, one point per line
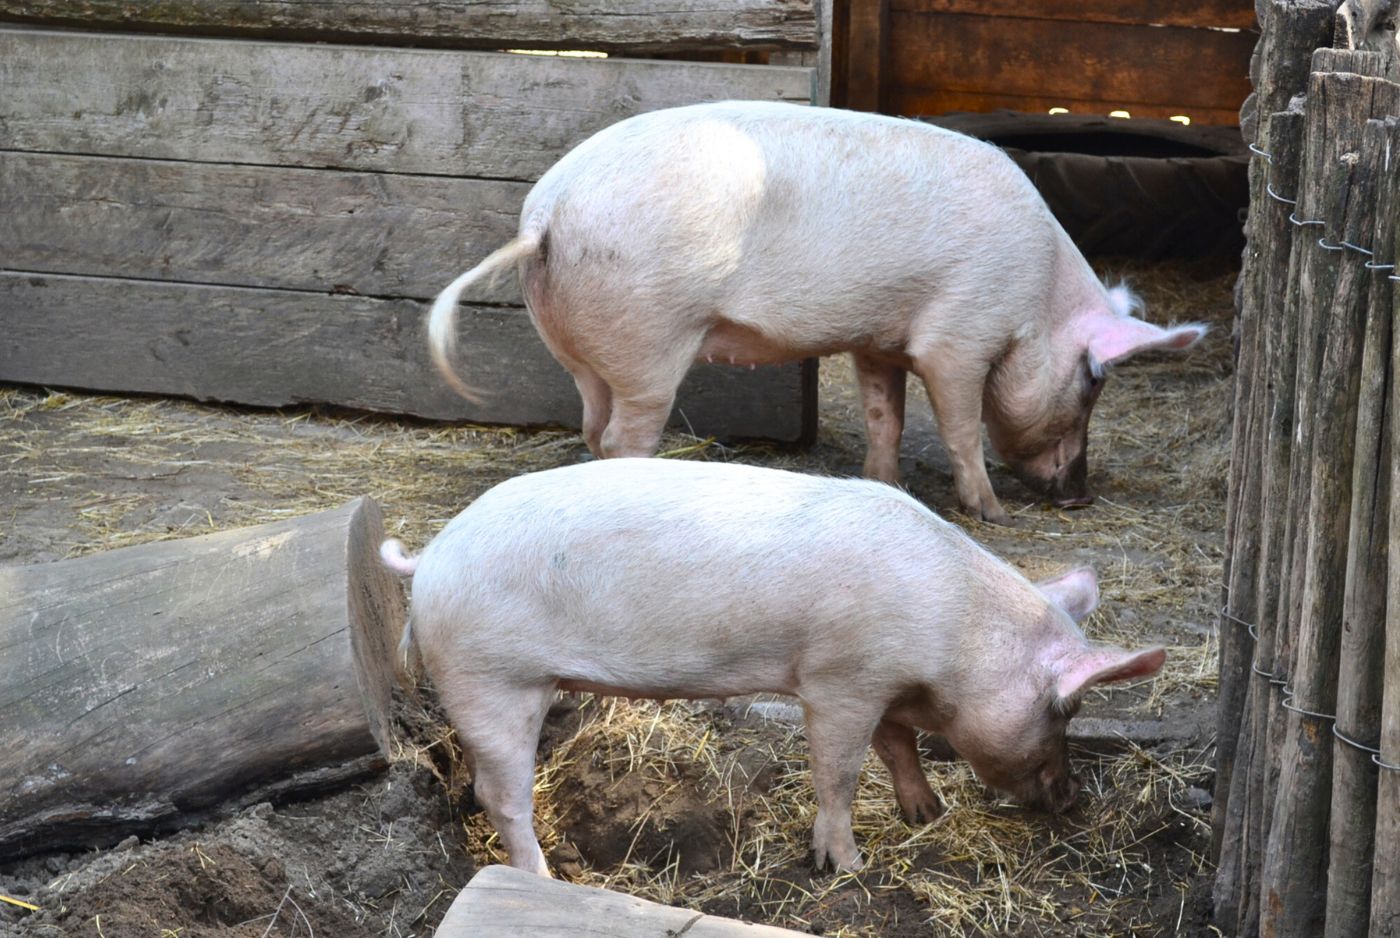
1102 664
1113 338
1076 592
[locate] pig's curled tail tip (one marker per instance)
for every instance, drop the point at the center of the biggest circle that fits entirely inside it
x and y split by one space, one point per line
391 552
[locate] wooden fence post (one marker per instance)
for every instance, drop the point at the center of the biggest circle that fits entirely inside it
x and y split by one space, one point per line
1362 637
1291 30
1339 103
1237 823
1385 882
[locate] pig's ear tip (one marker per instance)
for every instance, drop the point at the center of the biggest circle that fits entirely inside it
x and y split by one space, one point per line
1153 658
1190 333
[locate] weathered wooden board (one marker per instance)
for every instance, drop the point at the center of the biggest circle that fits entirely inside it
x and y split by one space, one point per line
368 233
867 55
275 348
1228 14
635 26
311 195
503 902
986 54
485 115
140 686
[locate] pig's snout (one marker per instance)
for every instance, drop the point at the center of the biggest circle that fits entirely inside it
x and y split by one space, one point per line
1055 795
1070 488
1064 795
1066 485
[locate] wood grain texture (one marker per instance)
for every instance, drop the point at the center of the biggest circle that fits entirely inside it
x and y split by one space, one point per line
1293 880
1241 816
1362 633
297 229
493 116
1172 67
926 102
1243 517
1385 880
1229 14
638 26
503 902
275 348
868 46
1292 30
144 685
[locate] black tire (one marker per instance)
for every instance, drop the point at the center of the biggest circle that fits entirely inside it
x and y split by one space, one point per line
1137 188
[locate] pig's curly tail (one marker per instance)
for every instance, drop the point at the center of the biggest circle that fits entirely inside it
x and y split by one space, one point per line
442 321
391 552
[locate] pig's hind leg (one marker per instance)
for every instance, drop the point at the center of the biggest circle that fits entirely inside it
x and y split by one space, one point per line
500 727
897 747
644 390
838 736
882 399
597 405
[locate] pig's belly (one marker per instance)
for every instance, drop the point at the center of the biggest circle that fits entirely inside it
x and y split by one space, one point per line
701 691
731 343
687 676
682 662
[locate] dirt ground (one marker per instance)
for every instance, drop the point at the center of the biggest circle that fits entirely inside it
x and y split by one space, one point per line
701 804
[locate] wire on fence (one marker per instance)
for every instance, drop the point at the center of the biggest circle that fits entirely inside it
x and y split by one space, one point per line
1286 701
1300 222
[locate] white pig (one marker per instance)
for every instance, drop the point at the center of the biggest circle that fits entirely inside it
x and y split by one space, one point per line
667 579
757 232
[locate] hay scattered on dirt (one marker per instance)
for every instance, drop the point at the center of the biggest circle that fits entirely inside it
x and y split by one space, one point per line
82 473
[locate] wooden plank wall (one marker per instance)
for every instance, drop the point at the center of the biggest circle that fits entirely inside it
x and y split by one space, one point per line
1148 57
633 27
265 222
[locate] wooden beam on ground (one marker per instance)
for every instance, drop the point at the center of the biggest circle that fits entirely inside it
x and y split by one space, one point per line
503 902
143 686
636 27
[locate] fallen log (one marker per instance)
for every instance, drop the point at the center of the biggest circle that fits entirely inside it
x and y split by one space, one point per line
503 902
142 687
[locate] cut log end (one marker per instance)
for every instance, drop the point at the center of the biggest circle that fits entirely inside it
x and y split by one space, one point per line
145 687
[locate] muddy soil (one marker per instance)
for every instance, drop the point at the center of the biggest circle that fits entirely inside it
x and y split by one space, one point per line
704 804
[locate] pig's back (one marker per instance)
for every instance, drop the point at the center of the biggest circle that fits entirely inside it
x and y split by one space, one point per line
792 220
611 571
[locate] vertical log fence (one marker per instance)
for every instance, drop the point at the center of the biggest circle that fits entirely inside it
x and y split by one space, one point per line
1307 811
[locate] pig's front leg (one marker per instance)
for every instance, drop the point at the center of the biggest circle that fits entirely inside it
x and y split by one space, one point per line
956 396
897 747
838 735
882 398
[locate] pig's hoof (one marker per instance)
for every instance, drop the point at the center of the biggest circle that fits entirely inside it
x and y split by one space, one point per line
923 810
995 514
828 859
